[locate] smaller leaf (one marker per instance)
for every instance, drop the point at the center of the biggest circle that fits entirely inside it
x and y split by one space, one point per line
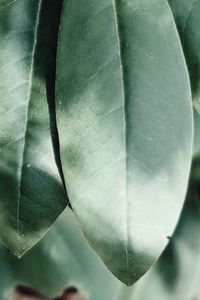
186 14
31 194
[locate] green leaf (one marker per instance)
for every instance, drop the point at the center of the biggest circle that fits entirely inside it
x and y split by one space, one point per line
31 194
61 259
186 14
176 275
125 127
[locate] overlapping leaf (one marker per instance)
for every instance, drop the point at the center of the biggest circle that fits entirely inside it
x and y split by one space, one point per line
125 127
186 14
31 193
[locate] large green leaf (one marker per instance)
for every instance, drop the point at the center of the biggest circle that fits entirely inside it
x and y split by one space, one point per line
186 13
177 273
125 127
31 193
61 259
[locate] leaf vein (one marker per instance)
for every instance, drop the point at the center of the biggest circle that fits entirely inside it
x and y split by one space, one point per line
26 124
116 17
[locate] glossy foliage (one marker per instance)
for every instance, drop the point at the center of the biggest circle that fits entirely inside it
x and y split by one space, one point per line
31 193
121 83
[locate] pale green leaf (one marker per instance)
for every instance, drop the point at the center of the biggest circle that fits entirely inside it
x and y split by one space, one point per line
31 193
125 127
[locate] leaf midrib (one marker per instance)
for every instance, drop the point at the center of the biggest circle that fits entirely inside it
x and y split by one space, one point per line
115 7
26 120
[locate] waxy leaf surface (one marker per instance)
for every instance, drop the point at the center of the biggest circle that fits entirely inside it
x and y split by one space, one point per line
125 127
31 193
